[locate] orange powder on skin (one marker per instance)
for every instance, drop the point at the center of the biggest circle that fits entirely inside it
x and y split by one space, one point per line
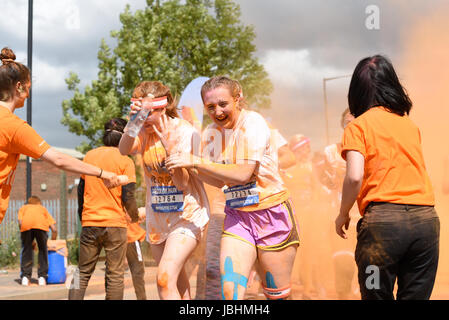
162 280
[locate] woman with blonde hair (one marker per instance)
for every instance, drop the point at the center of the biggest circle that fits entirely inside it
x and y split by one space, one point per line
238 156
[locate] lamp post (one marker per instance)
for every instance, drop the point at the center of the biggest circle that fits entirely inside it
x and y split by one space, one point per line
325 103
29 108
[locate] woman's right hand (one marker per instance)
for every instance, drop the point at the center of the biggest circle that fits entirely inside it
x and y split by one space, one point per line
136 105
111 180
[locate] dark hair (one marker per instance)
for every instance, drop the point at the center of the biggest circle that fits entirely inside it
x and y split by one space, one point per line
113 130
11 72
157 89
375 83
233 86
34 200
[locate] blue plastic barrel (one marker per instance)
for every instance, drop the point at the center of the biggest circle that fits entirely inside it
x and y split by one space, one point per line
56 267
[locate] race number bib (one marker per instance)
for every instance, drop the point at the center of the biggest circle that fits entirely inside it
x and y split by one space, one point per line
241 196
166 199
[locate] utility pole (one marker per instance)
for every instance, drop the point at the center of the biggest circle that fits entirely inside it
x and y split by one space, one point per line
29 105
326 116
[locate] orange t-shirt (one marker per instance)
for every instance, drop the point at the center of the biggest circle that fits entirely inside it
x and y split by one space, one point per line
135 232
16 137
394 162
35 216
102 206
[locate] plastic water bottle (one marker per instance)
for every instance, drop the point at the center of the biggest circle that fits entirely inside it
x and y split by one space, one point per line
137 120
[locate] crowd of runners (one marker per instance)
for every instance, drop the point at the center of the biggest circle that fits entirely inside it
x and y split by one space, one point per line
287 209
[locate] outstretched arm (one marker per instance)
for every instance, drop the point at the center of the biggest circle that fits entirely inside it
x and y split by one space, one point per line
68 163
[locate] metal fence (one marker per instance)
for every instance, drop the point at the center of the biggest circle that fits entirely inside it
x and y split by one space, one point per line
10 225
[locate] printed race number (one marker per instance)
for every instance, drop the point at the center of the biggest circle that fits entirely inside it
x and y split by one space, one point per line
242 196
167 199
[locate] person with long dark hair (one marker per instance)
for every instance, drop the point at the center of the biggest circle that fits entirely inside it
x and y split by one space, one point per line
398 234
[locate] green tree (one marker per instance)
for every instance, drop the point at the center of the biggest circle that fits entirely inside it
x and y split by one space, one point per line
173 42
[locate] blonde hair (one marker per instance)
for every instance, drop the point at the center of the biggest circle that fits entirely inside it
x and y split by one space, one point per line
233 86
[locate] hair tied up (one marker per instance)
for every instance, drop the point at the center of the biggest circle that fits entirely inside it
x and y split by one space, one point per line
6 61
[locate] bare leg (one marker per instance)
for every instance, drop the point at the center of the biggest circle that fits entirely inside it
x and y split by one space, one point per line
171 256
236 260
276 267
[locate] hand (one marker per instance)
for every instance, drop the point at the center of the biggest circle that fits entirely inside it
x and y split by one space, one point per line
163 134
136 105
181 160
142 214
111 180
342 220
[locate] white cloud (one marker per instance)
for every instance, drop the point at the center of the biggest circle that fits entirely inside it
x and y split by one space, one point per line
294 68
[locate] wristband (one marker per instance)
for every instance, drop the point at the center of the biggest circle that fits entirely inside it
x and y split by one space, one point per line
101 172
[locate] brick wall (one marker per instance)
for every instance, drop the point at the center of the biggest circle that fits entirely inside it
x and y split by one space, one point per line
42 172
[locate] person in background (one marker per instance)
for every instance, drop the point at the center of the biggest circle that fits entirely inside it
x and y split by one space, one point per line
17 137
398 235
333 171
134 255
103 215
34 222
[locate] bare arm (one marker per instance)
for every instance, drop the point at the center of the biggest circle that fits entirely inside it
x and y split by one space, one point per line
54 231
207 179
180 178
355 165
127 145
68 163
230 174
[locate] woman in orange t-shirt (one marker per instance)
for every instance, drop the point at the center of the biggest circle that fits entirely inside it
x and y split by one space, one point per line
398 234
17 137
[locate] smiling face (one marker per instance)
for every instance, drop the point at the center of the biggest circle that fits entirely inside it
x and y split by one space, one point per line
221 107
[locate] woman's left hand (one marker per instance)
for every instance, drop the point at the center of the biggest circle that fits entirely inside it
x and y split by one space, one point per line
342 220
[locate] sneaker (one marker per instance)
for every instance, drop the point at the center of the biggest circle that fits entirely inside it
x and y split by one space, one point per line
25 281
42 281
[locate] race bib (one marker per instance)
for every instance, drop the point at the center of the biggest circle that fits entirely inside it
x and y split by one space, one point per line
241 196
167 199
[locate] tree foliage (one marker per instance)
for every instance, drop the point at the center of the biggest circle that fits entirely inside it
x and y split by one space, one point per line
173 42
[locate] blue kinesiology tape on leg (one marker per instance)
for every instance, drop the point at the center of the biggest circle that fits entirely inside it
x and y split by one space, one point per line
231 276
270 281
